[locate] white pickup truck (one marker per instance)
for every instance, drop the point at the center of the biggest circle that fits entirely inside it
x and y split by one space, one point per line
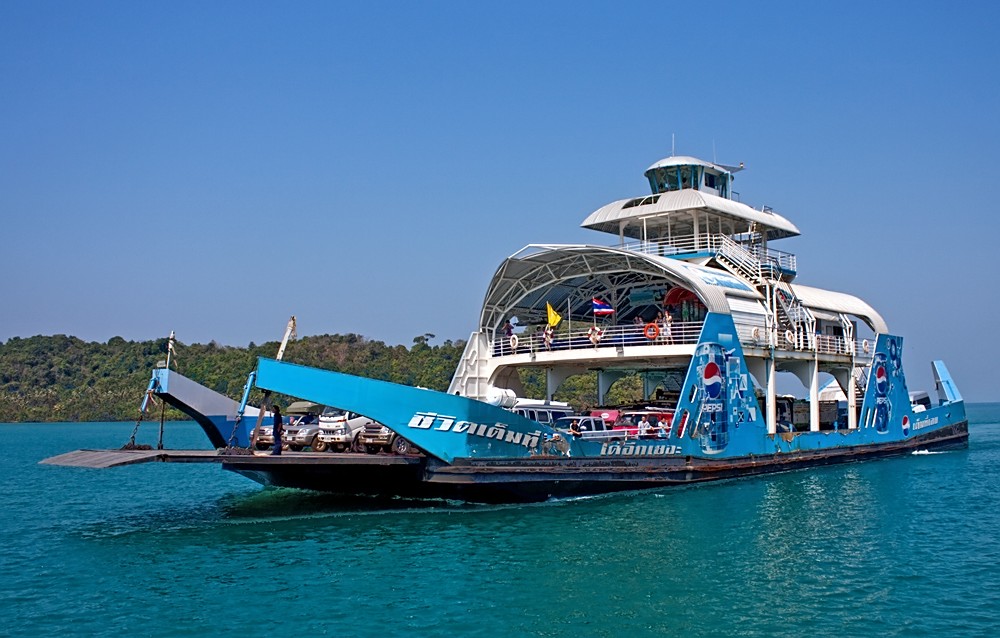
338 429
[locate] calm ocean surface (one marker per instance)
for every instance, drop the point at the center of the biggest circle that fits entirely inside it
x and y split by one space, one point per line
899 547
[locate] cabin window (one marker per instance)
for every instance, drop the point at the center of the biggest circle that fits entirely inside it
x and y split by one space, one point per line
640 201
710 180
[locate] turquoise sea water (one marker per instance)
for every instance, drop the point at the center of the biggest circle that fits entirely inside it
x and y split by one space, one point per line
899 547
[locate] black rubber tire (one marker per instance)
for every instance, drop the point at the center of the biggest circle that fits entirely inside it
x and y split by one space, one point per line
294 447
319 446
401 446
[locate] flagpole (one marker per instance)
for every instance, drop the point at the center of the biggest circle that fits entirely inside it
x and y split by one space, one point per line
569 316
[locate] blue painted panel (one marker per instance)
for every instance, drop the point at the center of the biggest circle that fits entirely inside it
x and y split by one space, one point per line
443 425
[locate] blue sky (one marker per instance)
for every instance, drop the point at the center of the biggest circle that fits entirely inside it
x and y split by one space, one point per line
213 168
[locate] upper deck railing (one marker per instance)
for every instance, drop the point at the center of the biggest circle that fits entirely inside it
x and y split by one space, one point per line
681 332
715 243
586 337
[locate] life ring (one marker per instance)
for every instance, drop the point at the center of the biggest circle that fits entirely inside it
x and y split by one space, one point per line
513 342
652 331
865 346
755 333
595 335
789 336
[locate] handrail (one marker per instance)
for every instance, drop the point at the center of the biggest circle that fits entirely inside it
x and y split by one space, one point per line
712 243
743 259
681 332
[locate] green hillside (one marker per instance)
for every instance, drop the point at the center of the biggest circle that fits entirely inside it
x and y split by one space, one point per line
60 378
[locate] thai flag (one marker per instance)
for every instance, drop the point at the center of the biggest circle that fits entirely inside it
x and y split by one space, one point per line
601 308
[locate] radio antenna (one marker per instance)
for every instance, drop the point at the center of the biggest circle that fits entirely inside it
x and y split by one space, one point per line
671 145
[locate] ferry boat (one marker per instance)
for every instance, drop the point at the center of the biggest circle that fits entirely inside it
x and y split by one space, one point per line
690 295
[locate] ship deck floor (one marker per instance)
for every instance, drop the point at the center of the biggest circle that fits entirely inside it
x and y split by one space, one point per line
100 459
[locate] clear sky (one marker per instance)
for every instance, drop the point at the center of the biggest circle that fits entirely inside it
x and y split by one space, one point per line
215 167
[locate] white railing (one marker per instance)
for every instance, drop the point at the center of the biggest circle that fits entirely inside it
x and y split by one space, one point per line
757 337
681 332
745 261
713 243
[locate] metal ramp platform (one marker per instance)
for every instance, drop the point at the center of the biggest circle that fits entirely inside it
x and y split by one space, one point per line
99 459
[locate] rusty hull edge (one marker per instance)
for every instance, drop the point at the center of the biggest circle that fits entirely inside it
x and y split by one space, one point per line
533 480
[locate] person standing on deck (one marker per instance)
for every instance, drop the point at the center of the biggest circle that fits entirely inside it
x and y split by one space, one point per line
668 323
644 426
278 430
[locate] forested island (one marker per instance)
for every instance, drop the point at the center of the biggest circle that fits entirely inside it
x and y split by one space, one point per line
61 378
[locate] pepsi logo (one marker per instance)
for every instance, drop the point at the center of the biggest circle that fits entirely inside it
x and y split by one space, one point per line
712 380
881 380
906 425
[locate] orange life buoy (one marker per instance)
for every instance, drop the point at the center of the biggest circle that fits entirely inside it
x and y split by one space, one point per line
652 331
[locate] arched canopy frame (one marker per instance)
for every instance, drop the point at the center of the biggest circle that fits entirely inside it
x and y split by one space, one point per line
569 276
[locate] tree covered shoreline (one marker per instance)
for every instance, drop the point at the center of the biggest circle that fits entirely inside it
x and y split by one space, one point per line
62 378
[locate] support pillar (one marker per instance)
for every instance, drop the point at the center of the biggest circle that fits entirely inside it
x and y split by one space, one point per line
553 379
603 383
814 396
852 403
772 403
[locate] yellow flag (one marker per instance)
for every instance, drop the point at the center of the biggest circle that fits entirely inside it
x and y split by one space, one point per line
554 317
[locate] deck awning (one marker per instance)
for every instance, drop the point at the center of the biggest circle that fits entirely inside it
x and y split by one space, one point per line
627 218
839 302
569 276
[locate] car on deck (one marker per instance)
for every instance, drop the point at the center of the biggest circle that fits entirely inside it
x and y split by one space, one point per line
338 429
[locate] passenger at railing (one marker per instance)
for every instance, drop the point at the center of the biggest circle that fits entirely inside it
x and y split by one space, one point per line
644 426
660 430
508 329
666 322
634 335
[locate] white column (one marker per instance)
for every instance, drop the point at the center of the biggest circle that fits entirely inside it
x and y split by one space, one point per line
602 387
852 403
772 404
814 396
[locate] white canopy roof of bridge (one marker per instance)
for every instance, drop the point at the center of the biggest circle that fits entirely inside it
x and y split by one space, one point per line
627 217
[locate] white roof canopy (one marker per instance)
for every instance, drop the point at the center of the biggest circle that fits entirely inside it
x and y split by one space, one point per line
839 302
673 212
571 275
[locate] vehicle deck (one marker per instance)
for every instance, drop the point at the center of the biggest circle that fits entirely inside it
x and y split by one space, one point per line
99 459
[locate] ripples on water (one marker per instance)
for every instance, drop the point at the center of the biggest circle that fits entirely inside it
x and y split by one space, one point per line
901 547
